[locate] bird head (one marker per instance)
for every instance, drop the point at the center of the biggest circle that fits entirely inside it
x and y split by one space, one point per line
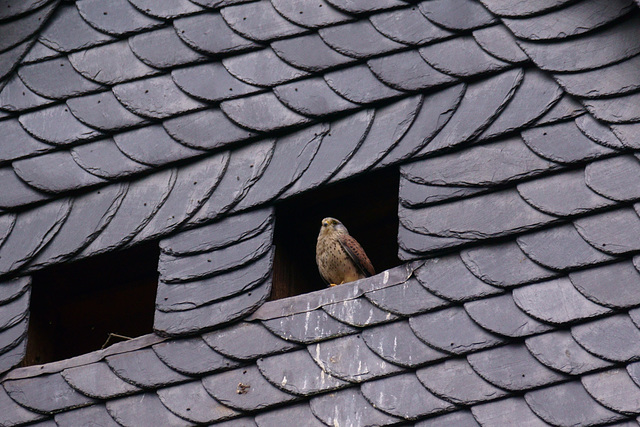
332 225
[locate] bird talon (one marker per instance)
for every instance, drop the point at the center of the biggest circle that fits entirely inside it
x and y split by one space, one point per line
332 285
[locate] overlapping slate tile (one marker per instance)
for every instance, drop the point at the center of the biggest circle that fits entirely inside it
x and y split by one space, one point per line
307 327
406 298
297 373
103 112
458 15
312 97
259 21
16 192
246 341
192 402
15 96
460 418
143 408
569 404
14 311
358 84
408 25
612 338
614 232
56 79
403 396
597 131
346 406
17 30
163 49
359 39
315 14
622 109
104 159
13 288
56 125
567 107
165 9
358 312
627 133
144 369
18 142
261 68
12 414
614 389
13 336
196 81
281 416
245 389
509 411
613 285
263 112
117 17
498 41
98 381
20 7
309 53
95 414
455 381
45 394
609 177
192 356
13 357
467 336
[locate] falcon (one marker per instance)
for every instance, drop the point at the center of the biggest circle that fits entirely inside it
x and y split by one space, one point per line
339 256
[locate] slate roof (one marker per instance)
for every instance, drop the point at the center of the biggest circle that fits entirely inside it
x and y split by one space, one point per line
515 126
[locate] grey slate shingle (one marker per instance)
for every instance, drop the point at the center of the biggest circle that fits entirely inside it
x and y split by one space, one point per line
192 402
597 283
143 368
143 408
612 338
342 406
192 356
98 381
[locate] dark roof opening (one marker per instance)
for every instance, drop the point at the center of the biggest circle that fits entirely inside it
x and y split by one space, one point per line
83 306
366 205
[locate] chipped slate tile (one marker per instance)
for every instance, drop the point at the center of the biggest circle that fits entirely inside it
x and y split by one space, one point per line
144 409
196 81
95 414
502 316
597 284
18 143
103 112
110 64
56 79
614 389
511 411
56 125
458 15
358 84
455 381
467 336
312 14
116 17
143 368
192 402
192 356
498 41
15 96
403 396
405 299
312 97
96 380
282 416
613 338
564 194
309 53
245 389
12 414
549 248
569 404
597 131
447 277
104 159
359 40
513 368
246 341
408 26
259 21
614 232
297 373
503 265
612 177
263 112
346 406
45 394
261 68
163 49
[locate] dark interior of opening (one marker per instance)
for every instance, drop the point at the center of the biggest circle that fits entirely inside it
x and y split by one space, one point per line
366 205
82 306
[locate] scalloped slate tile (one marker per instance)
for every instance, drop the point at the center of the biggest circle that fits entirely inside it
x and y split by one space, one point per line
17 30
627 133
263 113
558 350
15 311
246 341
313 14
455 381
18 142
610 177
45 394
15 192
309 53
39 52
146 409
281 416
590 51
620 110
447 277
462 418
412 244
104 159
560 248
14 288
348 407
245 389
110 64
238 422
461 57
613 285
261 68
144 369
358 312
405 299
498 41
98 381
564 109
569 404
103 112
358 39
192 356
192 402
408 26
66 31
513 368
12 414
196 81
166 9
614 232
206 129
502 316
466 337
503 265
363 6
163 49
457 15
614 389
599 132
358 84
13 336
12 358
403 396
312 97
511 411
10 58
556 301
56 79
259 21
116 17
514 9
564 194
96 414
56 125
297 373
15 96
633 371
570 21
613 338
396 343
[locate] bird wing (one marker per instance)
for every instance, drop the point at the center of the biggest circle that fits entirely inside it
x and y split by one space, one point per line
357 255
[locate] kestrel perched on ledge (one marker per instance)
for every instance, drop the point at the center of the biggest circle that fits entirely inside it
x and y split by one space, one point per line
339 256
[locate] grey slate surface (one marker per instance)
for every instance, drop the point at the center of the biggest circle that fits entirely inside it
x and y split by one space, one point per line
515 129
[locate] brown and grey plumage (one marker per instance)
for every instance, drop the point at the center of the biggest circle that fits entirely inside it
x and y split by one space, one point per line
339 256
